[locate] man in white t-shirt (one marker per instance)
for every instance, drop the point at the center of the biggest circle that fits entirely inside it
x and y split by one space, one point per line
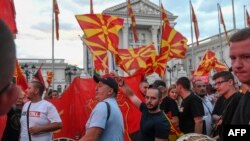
43 117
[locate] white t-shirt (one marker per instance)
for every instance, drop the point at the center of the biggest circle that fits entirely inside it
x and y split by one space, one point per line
40 113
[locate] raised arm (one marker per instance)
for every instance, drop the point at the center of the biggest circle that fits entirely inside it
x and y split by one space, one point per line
128 92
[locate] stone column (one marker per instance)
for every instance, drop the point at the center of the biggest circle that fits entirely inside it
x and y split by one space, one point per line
125 36
154 31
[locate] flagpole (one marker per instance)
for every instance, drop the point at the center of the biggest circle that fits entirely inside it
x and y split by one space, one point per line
219 18
128 22
233 14
53 38
160 25
192 56
245 20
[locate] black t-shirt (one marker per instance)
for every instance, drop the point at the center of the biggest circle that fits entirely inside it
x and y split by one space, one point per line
169 106
153 125
218 108
229 108
191 107
12 130
242 113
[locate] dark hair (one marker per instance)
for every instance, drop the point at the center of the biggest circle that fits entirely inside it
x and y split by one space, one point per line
144 81
39 86
240 35
224 74
158 90
184 82
158 83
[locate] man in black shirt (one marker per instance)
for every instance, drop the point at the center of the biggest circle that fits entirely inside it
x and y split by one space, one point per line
154 124
224 85
240 60
191 111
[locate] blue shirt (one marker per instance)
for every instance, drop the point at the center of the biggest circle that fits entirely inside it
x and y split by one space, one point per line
113 128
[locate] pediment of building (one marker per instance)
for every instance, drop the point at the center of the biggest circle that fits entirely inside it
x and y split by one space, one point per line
140 8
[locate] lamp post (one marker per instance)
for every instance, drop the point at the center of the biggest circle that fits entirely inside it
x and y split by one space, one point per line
170 70
27 71
69 71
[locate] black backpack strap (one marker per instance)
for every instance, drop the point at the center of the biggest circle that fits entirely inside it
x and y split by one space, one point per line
108 109
28 110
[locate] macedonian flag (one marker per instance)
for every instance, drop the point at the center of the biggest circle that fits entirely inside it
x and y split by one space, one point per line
105 27
173 43
206 64
99 52
156 64
134 58
219 66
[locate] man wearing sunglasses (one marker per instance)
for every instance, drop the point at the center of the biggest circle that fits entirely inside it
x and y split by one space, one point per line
8 91
227 102
240 61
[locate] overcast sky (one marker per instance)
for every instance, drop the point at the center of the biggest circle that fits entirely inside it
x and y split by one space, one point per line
33 18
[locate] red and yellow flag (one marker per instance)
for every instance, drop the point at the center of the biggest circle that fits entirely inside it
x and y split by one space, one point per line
219 66
173 43
223 23
206 64
105 27
99 52
196 28
56 12
49 78
20 78
132 16
156 64
38 76
248 19
164 16
134 58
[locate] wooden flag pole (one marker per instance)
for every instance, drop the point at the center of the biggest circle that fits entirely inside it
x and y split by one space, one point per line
53 38
192 56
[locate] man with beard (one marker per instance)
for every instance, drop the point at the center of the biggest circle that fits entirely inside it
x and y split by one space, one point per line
226 104
240 60
154 125
191 110
200 90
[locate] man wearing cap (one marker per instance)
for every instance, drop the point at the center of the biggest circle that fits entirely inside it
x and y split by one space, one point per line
105 122
39 118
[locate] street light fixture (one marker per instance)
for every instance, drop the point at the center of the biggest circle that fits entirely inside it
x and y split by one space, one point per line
69 71
170 70
27 72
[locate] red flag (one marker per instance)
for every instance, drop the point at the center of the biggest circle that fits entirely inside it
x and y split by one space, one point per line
206 64
132 16
91 7
56 12
38 76
223 23
8 14
248 19
196 28
219 66
20 78
135 58
173 43
106 27
99 52
164 16
78 100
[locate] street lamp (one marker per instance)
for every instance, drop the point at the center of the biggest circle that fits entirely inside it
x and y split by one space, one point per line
27 71
69 71
170 70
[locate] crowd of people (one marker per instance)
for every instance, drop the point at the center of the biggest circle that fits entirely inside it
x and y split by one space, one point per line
189 106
